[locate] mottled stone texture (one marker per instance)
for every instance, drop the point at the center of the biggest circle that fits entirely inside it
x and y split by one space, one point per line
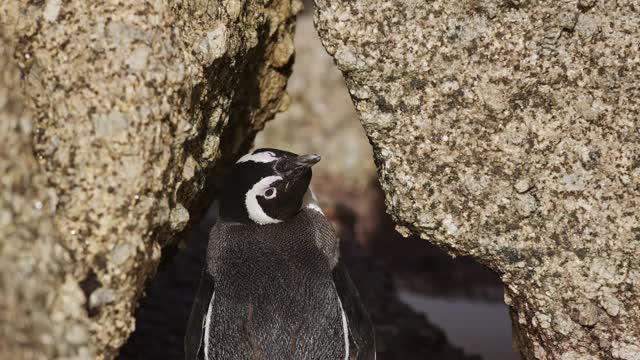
508 130
41 308
138 107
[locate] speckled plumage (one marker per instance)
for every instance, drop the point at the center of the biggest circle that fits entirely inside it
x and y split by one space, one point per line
275 295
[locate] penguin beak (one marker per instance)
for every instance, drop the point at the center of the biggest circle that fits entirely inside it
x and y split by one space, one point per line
296 165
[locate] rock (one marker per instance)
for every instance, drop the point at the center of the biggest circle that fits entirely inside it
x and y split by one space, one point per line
140 108
101 297
511 126
42 312
179 217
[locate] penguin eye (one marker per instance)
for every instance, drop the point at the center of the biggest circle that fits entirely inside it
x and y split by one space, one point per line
270 193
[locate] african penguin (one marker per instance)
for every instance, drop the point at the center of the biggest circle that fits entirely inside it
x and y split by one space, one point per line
274 286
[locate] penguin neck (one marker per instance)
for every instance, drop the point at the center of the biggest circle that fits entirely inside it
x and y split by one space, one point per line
232 211
310 201
236 213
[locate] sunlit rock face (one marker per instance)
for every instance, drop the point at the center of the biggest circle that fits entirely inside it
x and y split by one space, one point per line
138 109
509 131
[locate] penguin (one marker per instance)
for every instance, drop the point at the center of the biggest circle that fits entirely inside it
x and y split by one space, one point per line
274 285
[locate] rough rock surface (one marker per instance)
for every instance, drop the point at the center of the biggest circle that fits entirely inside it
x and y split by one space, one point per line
508 130
138 107
41 308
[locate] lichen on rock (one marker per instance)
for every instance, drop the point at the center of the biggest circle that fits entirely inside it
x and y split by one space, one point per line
138 109
509 131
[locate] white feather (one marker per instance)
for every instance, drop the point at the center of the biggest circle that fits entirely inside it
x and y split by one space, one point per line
345 330
207 327
311 202
256 213
261 157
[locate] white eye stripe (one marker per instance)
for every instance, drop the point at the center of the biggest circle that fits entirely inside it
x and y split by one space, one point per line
255 211
261 157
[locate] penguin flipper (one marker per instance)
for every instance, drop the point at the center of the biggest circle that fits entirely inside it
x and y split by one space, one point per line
193 338
359 323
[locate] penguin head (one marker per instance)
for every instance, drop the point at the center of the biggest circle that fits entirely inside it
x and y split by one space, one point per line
266 186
